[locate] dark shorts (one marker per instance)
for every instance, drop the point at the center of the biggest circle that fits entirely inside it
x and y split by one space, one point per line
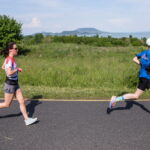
143 84
10 88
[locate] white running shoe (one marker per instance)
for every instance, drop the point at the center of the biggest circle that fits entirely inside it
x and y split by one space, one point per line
30 121
112 102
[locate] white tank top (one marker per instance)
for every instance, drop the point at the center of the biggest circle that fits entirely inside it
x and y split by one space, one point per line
10 63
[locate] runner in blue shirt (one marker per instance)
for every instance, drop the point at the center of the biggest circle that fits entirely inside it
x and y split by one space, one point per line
142 59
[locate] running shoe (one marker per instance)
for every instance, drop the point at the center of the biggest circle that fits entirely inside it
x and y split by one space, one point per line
112 102
30 121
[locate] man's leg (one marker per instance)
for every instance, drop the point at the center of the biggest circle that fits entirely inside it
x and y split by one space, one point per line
130 96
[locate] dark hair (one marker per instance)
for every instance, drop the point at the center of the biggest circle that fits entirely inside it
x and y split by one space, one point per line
10 45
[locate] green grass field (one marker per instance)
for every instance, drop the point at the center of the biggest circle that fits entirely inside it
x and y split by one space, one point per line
58 70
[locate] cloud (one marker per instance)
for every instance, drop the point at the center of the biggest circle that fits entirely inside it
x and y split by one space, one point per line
119 21
35 23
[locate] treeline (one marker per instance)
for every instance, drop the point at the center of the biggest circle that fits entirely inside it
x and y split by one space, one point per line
33 39
101 41
95 41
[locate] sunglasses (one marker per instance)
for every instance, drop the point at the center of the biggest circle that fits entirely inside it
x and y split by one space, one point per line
15 49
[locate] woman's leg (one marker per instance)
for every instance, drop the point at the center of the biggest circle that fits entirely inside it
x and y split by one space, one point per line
21 101
19 96
8 97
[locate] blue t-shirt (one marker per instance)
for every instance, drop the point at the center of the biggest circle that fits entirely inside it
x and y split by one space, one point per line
144 57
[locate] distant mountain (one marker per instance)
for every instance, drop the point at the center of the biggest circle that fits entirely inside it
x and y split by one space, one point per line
93 32
48 33
82 32
88 30
78 32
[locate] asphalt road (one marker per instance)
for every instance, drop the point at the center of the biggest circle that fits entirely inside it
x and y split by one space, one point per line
76 126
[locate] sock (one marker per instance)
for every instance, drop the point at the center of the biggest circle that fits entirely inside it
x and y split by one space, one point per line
120 98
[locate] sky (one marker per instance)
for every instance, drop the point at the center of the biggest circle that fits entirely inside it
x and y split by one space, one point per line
61 15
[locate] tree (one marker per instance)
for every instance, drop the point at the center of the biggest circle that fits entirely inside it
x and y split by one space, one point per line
10 30
144 41
130 36
38 38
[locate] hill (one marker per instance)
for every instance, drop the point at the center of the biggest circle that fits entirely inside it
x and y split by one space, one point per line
94 32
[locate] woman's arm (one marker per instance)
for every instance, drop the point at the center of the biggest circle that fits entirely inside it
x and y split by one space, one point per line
3 66
136 60
10 71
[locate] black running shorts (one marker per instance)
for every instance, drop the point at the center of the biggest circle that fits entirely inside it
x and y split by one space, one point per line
11 89
143 84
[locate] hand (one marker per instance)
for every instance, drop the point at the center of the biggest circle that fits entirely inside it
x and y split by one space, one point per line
19 69
3 67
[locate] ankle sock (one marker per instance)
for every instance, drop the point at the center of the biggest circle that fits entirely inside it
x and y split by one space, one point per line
120 98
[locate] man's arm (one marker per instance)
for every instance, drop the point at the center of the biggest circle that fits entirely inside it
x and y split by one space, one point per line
136 60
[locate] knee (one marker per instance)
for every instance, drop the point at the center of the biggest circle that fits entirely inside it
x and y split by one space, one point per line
136 96
6 105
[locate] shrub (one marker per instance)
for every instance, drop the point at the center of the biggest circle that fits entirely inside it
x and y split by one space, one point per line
10 30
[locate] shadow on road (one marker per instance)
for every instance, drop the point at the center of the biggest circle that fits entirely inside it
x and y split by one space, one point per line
11 115
30 109
129 105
